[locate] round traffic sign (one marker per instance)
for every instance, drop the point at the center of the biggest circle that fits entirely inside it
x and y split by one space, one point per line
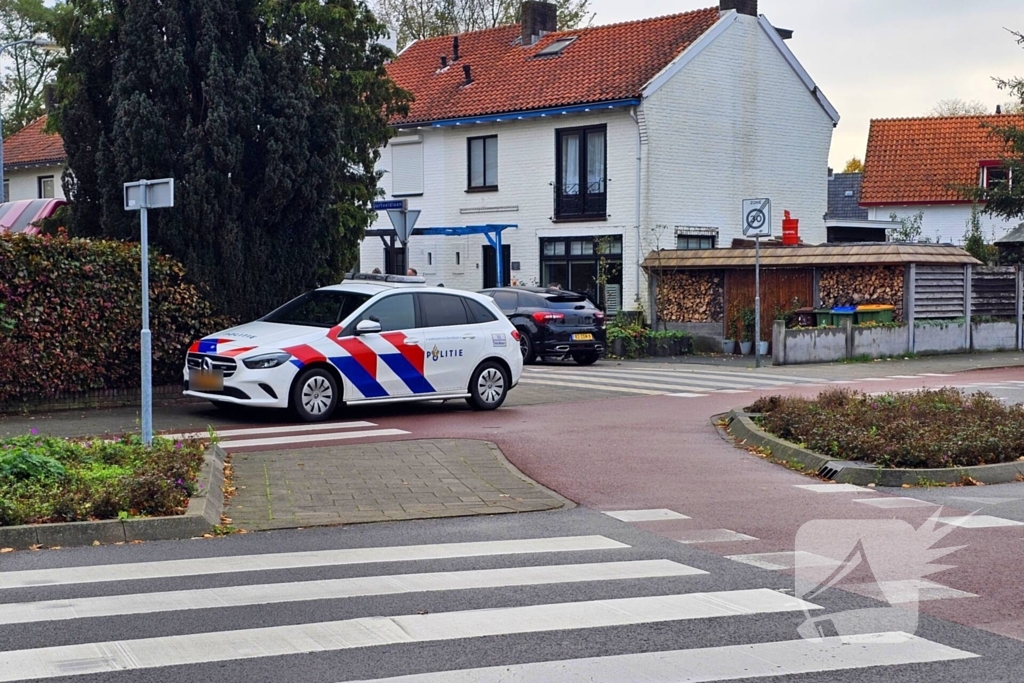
755 219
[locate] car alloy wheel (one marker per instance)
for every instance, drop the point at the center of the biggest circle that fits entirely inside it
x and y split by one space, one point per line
526 347
315 395
488 387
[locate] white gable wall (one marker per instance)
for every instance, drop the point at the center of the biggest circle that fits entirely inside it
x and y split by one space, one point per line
736 122
24 182
945 222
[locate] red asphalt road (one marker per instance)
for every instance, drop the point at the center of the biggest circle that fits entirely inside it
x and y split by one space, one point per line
663 452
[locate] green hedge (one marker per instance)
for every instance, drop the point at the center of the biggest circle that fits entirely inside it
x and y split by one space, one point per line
70 315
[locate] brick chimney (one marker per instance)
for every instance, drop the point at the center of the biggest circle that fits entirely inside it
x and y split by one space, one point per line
538 18
748 7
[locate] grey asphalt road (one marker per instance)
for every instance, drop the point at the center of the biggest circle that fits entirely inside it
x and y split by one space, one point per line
494 638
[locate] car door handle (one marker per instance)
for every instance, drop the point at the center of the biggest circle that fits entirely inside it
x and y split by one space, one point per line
412 342
469 336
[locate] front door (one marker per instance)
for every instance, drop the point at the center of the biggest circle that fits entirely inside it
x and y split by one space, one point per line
491 266
388 364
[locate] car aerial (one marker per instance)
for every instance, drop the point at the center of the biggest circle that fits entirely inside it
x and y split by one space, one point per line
553 322
370 339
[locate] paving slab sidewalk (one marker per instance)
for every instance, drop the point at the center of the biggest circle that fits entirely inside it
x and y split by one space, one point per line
378 482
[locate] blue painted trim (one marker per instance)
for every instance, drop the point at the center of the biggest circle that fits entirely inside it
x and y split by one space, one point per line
465 230
401 366
516 116
297 363
360 378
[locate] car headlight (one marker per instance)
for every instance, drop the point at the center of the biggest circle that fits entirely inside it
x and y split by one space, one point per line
267 361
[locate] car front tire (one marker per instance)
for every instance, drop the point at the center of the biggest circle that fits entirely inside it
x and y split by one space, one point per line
315 395
488 387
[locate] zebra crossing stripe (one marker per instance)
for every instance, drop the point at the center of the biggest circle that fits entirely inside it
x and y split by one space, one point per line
311 438
199 648
32 578
283 429
335 589
703 665
640 382
596 387
678 376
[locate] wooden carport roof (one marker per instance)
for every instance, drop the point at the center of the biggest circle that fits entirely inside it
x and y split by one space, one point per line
889 254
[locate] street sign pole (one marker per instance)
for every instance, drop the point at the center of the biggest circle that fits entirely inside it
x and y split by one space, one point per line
757 301
141 196
146 340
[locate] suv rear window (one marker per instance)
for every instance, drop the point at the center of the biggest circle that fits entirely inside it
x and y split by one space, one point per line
569 302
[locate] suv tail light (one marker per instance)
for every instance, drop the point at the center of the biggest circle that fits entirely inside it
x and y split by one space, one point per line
543 318
599 318
516 335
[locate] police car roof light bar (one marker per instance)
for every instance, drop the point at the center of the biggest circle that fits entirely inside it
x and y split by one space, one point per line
380 277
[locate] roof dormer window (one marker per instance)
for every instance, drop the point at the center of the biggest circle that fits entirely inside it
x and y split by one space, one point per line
993 174
556 47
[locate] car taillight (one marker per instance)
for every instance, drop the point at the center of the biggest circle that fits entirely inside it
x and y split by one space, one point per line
516 335
599 318
544 318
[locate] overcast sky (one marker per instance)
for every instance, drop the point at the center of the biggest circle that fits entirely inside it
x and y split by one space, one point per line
881 58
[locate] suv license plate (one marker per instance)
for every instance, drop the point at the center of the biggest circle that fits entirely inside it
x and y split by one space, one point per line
583 337
206 380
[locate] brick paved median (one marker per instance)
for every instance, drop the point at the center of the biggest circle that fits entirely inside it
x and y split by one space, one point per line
378 482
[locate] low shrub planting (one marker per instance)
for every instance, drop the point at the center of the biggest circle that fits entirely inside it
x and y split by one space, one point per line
925 429
70 315
47 479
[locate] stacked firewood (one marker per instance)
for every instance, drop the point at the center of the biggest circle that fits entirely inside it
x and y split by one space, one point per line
691 297
862 285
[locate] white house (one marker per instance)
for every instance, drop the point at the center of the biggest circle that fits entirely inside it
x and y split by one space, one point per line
918 165
601 145
34 161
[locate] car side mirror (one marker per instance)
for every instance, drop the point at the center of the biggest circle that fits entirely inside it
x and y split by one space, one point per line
368 327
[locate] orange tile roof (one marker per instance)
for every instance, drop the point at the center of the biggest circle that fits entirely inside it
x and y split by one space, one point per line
603 64
31 146
921 161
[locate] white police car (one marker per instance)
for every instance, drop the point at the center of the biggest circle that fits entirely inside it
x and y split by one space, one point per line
371 339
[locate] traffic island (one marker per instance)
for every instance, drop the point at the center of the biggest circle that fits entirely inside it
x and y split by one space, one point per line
201 516
891 440
380 482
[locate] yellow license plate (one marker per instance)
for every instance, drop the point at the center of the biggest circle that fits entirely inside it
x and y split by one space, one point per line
583 337
206 380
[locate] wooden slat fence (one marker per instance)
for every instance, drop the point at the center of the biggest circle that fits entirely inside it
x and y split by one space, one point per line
993 292
939 292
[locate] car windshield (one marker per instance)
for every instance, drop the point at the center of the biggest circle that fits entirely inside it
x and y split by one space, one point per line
320 308
569 302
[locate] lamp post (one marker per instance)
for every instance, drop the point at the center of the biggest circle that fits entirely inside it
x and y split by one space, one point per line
44 43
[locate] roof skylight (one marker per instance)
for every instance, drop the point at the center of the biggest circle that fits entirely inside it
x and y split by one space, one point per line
556 47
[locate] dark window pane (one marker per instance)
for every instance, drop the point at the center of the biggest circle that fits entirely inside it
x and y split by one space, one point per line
443 310
317 309
507 301
480 312
395 312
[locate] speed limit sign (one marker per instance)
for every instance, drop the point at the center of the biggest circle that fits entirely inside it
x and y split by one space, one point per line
757 217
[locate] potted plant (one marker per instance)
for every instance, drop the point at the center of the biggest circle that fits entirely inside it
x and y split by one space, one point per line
749 324
617 339
732 333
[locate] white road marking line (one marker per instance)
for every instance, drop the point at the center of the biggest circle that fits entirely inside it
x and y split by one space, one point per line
979 522
905 590
335 589
644 515
684 376
610 380
711 536
311 438
842 381
933 374
875 379
785 560
892 503
284 429
902 376
316 558
732 391
198 648
596 387
708 664
687 395
833 488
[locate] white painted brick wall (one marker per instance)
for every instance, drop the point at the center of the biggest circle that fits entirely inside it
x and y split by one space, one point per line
737 123
946 222
24 183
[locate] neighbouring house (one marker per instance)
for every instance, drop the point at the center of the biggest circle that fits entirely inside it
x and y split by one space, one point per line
602 145
847 221
917 165
34 161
